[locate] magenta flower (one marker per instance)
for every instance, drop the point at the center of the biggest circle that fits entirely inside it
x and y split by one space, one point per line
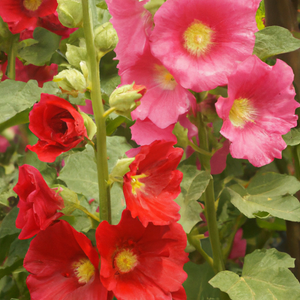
259 109
133 24
165 100
145 132
200 41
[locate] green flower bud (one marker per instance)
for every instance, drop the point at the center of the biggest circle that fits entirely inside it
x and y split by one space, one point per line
89 124
70 13
106 38
71 82
120 169
124 99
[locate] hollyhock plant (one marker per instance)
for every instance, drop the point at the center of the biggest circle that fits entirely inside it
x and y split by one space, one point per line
204 39
146 194
259 109
38 203
57 124
24 14
239 246
63 266
140 262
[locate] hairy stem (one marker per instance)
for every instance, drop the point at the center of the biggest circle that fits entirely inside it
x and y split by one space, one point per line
101 152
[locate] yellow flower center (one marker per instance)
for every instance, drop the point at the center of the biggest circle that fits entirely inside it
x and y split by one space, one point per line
137 184
164 78
242 112
126 261
83 270
32 5
197 38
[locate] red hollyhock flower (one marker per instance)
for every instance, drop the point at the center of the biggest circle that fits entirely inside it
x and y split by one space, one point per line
153 183
57 124
38 204
22 14
141 263
63 266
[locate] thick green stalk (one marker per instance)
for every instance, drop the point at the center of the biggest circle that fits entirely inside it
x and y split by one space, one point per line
12 54
101 152
209 198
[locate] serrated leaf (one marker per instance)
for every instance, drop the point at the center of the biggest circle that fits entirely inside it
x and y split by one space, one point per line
292 138
193 184
8 226
268 193
274 40
265 276
40 54
109 84
196 285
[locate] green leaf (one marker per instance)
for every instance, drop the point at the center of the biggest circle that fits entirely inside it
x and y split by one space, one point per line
7 182
40 54
113 124
274 40
8 226
196 285
268 193
193 184
109 84
292 138
265 276
80 173
17 96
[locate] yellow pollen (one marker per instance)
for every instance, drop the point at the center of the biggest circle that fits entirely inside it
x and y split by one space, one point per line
126 261
164 78
197 38
135 183
32 5
242 112
84 270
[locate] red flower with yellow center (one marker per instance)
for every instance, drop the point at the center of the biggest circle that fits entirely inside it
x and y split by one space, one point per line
22 14
63 266
142 263
153 183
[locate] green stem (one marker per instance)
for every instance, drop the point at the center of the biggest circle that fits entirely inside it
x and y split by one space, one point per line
198 149
108 112
209 198
12 54
193 240
101 153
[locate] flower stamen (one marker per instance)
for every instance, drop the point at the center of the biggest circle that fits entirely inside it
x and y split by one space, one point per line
32 5
197 38
126 261
164 78
242 112
83 270
137 184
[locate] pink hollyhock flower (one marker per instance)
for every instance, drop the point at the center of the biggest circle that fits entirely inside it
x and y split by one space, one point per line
146 194
63 266
24 14
165 100
239 246
144 132
200 41
141 263
133 24
259 109
38 203
57 124
87 108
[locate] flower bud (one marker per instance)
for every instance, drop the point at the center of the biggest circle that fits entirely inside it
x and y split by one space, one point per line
71 82
106 38
125 98
89 124
120 169
70 13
